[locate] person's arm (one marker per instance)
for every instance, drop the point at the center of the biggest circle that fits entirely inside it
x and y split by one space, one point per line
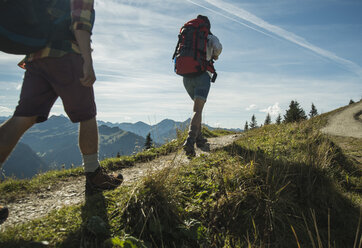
83 39
217 47
81 12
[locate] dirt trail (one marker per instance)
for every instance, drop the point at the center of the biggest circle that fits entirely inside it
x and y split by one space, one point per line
71 192
347 122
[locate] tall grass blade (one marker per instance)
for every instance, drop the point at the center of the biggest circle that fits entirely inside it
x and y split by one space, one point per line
295 235
320 245
329 228
357 232
282 188
309 232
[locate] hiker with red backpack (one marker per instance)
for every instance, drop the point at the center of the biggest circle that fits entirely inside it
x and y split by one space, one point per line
55 37
194 56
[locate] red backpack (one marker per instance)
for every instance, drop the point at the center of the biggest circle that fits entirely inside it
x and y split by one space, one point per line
190 52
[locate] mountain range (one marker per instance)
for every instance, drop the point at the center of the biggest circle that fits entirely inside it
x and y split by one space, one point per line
54 143
161 132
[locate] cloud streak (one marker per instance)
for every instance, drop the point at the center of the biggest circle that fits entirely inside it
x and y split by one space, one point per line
300 41
272 110
230 18
5 110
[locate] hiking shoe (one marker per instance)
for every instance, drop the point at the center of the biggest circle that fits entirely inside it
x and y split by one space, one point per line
189 149
100 180
4 213
201 141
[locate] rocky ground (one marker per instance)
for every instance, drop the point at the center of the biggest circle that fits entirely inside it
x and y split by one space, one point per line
71 191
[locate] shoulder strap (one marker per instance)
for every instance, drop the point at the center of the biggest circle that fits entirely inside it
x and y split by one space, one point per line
61 14
178 43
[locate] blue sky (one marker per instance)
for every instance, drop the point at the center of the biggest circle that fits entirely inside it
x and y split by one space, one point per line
273 52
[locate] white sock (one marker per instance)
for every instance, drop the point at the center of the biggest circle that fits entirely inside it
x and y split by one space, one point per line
90 162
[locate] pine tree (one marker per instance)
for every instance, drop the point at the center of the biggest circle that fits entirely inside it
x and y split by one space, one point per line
267 120
351 102
253 124
313 112
279 119
246 127
294 113
148 143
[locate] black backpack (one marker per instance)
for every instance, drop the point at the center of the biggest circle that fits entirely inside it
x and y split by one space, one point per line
27 26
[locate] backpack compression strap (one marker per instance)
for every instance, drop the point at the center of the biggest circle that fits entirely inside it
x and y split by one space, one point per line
178 43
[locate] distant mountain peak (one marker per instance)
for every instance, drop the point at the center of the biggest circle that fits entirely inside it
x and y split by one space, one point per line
104 129
58 117
167 121
141 122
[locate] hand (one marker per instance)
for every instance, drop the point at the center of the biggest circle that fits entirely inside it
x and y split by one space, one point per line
215 57
89 76
83 39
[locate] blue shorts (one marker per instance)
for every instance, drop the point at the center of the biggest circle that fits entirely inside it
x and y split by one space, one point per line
198 87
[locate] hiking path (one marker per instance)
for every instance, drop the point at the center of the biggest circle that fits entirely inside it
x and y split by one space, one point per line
347 122
71 191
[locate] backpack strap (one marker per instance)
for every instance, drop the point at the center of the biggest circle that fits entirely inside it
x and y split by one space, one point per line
214 76
178 43
196 48
211 68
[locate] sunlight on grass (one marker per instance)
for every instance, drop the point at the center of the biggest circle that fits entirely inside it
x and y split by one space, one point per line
278 186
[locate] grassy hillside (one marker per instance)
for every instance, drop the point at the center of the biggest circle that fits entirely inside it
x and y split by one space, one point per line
278 186
11 188
23 155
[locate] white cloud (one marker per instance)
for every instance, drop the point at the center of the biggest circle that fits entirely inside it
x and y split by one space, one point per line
272 110
55 113
5 110
251 107
10 58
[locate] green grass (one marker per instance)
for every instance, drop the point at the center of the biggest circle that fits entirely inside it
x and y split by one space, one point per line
11 188
278 186
215 133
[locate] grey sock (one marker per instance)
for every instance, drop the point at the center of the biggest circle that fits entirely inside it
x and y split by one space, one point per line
90 162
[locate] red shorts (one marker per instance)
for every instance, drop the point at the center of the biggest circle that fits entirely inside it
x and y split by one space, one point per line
47 79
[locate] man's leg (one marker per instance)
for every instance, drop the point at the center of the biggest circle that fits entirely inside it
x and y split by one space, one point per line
10 133
197 115
88 144
195 125
200 140
4 213
88 136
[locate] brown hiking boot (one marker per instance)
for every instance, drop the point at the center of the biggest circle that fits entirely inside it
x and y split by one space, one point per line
201 141
189 148
4 213
100 180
